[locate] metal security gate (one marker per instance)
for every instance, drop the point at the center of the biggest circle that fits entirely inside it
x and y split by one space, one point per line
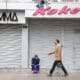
77 48
10 46
71 54
42 34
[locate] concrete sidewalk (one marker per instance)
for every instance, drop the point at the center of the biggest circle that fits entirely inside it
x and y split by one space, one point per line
28 75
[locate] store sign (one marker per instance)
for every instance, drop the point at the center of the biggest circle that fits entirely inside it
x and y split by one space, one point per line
51 11
11 16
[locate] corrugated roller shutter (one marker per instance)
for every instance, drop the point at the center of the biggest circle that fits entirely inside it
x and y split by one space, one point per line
42 34
68 44
71 46
10 45
77 48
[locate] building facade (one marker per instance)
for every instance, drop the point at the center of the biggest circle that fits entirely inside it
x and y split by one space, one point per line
26 30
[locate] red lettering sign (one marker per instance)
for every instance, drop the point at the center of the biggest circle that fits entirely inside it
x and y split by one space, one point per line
52 11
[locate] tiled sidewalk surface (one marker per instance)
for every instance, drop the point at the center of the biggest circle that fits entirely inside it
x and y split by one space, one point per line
28 75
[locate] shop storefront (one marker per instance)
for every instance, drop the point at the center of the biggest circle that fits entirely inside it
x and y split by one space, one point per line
33 31
58 21
12 41
42 34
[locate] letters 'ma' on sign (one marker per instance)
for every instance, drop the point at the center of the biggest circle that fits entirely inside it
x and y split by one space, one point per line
9 17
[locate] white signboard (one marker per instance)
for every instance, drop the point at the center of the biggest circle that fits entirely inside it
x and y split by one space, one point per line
56 10
12 16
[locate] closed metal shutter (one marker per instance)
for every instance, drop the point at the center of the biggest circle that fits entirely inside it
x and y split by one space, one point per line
68 53
42 34
71 54
10 46
77 48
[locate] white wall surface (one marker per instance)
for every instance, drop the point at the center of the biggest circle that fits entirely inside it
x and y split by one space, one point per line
2 0
19 1
2 5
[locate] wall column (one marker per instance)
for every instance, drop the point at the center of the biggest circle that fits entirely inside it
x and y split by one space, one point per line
24 60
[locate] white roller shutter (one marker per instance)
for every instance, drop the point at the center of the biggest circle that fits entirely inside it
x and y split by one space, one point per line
42 34
10 45
71 47
68 53
77 48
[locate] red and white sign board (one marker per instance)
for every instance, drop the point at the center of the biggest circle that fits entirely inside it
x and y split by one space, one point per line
56 10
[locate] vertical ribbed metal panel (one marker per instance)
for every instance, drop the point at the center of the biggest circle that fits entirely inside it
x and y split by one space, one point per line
68 53
42 34
77 47
10 45
72 43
